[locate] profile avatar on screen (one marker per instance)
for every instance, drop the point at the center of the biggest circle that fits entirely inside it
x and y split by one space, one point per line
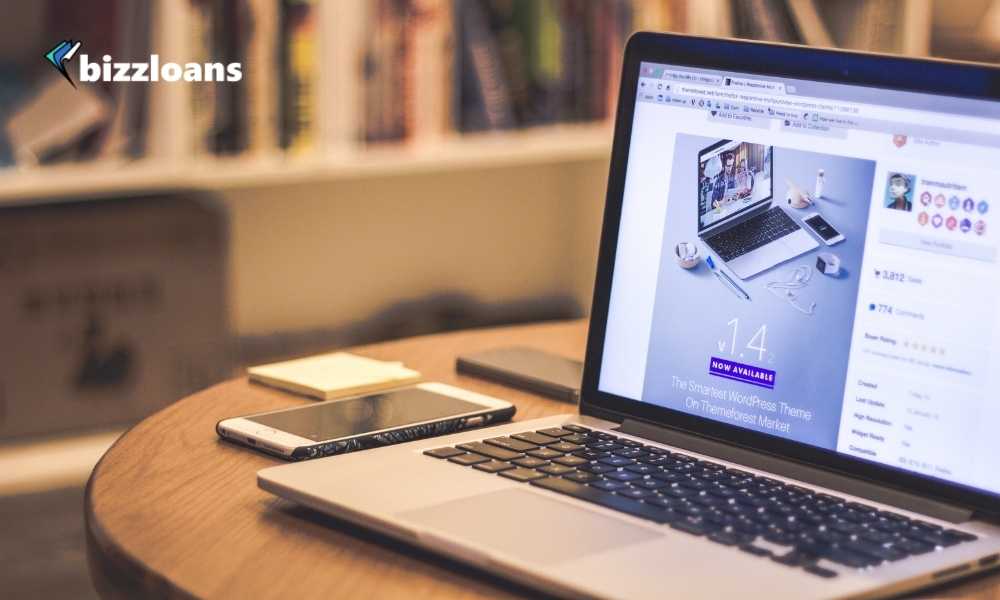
899 193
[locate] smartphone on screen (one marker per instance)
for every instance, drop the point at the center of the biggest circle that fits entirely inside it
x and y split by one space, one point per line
339 426
823 229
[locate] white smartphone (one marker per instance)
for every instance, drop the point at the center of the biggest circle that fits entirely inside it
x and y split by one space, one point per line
338 426
822 228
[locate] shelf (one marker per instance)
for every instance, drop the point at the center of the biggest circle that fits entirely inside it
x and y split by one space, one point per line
537 146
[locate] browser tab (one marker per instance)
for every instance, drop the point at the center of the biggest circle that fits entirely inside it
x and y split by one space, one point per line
685 76
756 85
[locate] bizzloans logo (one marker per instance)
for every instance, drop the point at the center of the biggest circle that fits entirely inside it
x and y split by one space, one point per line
152 71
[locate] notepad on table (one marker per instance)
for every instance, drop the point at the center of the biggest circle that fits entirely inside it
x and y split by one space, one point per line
334 375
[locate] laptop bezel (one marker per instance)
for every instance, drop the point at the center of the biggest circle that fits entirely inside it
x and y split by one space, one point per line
745 212
947 78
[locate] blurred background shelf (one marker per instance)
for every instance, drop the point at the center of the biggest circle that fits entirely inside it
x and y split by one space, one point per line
546 145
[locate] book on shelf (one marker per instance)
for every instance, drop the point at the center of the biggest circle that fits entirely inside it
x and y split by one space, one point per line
44 123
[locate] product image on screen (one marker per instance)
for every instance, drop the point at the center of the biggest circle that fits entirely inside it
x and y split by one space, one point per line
355 416
733 349
732 176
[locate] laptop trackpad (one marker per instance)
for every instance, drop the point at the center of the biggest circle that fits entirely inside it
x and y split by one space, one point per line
530 526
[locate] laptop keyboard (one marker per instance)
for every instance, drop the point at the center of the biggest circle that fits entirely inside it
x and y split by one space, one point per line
752 234
727 506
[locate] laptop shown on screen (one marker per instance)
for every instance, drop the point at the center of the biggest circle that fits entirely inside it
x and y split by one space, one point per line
736 217
793 357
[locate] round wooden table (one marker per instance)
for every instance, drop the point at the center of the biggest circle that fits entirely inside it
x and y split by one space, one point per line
172 511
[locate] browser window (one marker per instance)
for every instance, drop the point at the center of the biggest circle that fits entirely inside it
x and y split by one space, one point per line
876 334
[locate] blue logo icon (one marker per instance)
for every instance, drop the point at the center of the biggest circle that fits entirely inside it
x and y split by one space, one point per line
983 207
954 202
62 53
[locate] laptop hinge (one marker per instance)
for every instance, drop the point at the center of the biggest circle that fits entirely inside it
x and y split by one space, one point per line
774 464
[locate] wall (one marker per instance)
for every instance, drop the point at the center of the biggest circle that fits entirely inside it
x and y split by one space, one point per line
324 255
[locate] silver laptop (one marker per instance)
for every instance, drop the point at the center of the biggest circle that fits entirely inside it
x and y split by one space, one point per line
736 216
729 448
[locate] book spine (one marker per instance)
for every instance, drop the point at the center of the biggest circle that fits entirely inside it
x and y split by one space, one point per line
428 70
261 78
298 76
484 97
202 96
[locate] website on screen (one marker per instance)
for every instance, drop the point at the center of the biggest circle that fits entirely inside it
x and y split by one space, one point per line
813 261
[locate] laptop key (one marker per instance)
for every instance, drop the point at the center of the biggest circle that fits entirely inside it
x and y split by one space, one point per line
635 493
468 459
616 461
609 485
582 477
755 550
537 439
642 469
570 461
494 466
850 559
875 551
794 558
651 484
556 470
822 572
446 452
622 476
597 468
565 447
576 438
961 535
511 444
490 451
630 453
556 432
522 474
603 446
912 547
694 526
544 453
730 538
590 494
529 462
576 428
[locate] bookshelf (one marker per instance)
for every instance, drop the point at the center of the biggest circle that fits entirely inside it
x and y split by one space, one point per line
349 110
504 214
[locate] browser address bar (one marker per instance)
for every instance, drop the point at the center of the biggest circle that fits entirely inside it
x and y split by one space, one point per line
799 102
809 104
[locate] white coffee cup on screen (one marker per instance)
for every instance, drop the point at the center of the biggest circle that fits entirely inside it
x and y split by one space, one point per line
796 197
688 255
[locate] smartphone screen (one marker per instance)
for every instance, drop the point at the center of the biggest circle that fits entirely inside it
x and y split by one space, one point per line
820 226
355 416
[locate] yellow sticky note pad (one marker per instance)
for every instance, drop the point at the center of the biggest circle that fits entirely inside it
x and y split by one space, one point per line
334 375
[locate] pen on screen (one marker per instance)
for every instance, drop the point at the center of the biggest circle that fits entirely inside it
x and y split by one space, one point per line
726 280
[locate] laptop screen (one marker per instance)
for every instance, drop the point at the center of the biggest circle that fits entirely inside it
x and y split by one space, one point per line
733 177
860 312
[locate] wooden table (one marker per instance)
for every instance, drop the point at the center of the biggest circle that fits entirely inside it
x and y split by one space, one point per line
172 511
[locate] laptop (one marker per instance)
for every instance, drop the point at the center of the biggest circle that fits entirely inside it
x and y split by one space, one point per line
736 217
727 447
